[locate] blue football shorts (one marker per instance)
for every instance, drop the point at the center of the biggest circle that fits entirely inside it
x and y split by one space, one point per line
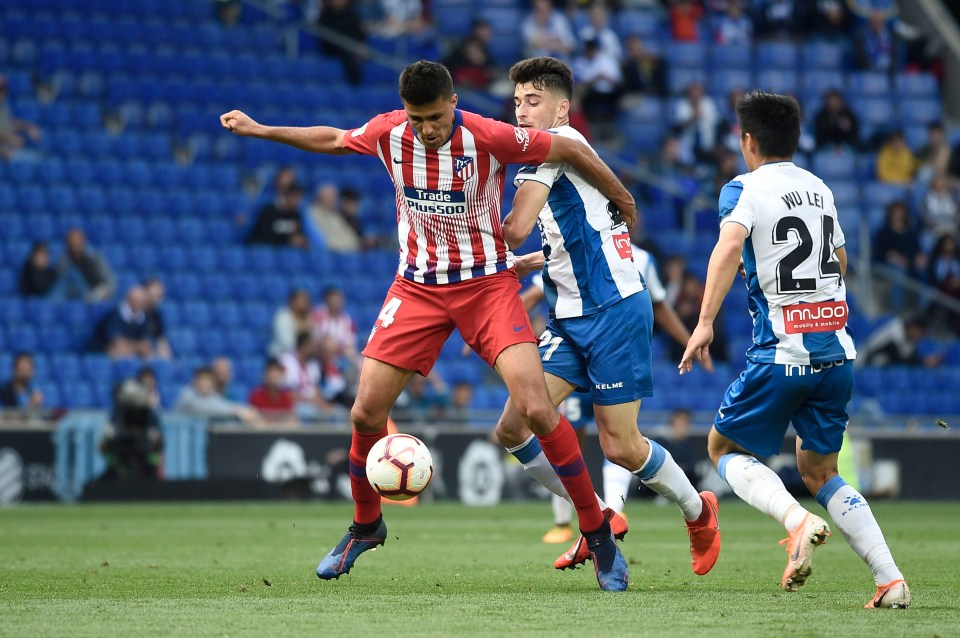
768 397
606 354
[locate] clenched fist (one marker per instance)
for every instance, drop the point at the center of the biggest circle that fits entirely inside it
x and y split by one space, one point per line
239 123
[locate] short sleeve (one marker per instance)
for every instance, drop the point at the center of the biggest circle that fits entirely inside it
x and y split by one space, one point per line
364 140
733 207
545 174
839 241
516 145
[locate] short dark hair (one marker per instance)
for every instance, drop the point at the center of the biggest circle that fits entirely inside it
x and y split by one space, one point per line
424 82
202 371
273 362
303 338
544 73
772 120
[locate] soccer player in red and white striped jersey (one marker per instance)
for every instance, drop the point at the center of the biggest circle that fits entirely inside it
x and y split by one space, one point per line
455 271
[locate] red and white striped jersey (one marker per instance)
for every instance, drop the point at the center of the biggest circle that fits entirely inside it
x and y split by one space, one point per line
448 199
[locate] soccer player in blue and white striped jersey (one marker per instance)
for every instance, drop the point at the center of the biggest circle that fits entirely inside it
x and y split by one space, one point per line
599 332
781 222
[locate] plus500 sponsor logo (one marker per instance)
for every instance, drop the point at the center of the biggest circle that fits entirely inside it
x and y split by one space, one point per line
431 202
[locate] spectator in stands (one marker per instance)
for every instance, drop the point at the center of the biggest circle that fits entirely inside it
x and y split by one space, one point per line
685 20
334 369
897 245
682 449
546 32
688 302
895 161
643 71
202 399
228 12
302 375
899 342
471 64
19 392
275 402
156 327
835 123
598 28
472 60
37 275
13 130
341 17
461 400
336 216
289 321
599 84
82 273
830 20
944 275
132 443
330 319
877 45
279 223
933 158
399 17
728 126
695 119
674 270
424 398
941 211
222 369
148 379
675 171
734 27
123 332
780 19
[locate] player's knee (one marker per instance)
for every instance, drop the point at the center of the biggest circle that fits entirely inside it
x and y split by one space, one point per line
365 421
539 416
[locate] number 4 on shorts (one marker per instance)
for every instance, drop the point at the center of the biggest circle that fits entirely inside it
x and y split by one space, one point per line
388 311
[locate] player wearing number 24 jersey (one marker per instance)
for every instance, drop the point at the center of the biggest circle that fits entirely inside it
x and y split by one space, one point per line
781 221
455 271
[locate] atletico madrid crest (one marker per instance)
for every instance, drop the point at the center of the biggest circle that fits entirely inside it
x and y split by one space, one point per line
464 167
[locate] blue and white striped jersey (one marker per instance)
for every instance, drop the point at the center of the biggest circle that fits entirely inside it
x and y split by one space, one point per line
796 295
588 257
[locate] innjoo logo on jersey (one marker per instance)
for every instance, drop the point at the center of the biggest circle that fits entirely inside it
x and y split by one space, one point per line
622 243
826 316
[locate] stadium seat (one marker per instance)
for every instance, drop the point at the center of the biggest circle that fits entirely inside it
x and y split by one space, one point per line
778 80
685 55
822 55
776 55
916 85
920 111
863 84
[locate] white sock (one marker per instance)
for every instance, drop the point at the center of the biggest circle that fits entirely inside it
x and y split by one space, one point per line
852 514
760 487
562 510
616 485
662 475
535 463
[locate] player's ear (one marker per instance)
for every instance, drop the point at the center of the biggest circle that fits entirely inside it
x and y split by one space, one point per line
563 109
454 100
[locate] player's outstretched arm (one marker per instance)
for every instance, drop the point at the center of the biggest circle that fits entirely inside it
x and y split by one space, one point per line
316 139
724 262
595 171
665 316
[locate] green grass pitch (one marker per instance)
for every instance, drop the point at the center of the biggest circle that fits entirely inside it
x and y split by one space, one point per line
446 570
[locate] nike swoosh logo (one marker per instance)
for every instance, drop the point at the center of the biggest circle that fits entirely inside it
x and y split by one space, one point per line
517 328
396 161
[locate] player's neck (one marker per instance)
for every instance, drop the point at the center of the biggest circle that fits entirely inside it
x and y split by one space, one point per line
561 121
758 161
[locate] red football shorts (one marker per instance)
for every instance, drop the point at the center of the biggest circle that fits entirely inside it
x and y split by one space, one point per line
416 320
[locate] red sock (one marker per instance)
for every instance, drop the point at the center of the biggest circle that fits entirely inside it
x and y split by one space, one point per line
563 451
365 500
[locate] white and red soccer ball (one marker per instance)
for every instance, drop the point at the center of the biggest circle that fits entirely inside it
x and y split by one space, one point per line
399 467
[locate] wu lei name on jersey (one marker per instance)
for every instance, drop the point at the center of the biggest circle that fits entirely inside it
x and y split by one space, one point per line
433 202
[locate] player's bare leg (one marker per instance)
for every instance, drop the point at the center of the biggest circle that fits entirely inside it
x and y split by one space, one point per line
378 388
852 515
519 366
623 444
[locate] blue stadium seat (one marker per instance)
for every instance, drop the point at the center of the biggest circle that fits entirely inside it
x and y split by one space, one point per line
879 194
643 23
778 55
778 80
863 84
685 55
679 79
731 58
725 81
875 112
921 111
916 85
822 55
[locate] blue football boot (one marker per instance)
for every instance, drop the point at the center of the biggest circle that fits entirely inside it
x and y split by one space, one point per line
341 558
609 563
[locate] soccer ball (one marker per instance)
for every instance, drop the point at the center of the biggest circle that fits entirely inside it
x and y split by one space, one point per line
399 467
